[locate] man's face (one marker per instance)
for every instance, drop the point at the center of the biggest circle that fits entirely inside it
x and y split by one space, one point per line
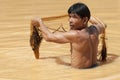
75 22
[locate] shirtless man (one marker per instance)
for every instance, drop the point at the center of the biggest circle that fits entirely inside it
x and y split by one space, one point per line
83 39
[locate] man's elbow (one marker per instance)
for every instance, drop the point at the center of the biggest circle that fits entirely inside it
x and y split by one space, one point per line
104 26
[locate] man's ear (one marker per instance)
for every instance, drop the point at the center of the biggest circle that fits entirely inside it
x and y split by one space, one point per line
85 20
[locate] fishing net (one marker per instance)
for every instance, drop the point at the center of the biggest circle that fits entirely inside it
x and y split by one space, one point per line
61 25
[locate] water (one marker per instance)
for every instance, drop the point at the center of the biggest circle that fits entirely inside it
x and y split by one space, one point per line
17 61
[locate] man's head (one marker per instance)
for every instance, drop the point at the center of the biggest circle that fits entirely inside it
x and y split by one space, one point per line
80 9
79 15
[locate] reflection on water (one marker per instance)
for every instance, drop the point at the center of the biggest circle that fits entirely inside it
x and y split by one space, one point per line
110 59
65 59
62 60
17 61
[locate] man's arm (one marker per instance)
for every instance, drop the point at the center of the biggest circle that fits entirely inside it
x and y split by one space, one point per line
98 24
58 37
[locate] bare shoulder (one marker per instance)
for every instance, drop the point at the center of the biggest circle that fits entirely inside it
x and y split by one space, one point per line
77 34
73 35
81 34
93 29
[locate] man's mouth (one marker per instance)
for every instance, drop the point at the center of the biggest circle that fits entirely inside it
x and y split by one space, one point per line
71 25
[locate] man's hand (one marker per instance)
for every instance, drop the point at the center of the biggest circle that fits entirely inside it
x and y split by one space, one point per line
37 21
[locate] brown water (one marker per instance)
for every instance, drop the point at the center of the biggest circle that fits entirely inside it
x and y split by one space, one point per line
17 61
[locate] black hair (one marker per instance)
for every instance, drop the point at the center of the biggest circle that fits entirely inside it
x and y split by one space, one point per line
80 9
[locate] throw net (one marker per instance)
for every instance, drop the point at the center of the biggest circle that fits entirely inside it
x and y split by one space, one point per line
61 25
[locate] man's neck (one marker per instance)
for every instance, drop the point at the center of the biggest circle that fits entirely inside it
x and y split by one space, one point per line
83 27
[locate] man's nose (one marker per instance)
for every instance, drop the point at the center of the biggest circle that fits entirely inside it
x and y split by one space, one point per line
70 20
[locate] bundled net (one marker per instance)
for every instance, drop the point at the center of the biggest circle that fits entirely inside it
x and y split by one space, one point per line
102 53
60 24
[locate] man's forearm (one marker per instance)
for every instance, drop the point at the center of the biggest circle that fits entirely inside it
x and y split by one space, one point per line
98 23
45 32
95 20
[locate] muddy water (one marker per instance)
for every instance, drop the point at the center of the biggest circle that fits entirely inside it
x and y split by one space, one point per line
17 61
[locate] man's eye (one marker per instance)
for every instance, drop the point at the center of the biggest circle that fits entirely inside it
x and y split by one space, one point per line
74 16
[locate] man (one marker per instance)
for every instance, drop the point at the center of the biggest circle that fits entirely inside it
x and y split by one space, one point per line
83 39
